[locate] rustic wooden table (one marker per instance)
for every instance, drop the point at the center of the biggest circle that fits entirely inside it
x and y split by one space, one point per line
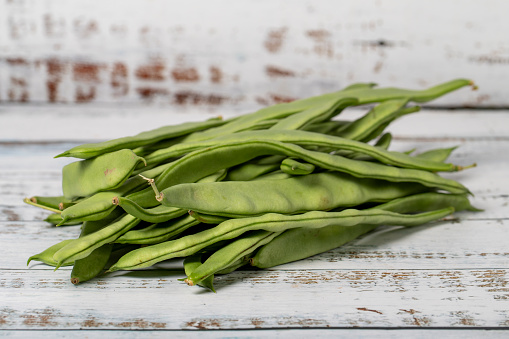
447 278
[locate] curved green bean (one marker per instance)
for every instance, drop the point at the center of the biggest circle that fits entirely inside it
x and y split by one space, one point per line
299 243
82 247
87 151
232 228
157 233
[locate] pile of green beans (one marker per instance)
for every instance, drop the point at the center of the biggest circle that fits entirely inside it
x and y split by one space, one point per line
278 185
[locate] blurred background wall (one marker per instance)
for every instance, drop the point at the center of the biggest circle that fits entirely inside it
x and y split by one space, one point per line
231 55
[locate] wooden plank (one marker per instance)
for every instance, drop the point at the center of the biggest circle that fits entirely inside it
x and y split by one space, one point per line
279 333
246 54
477 245
305 298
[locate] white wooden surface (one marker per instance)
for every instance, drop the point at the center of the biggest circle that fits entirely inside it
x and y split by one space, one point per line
227 54
446 279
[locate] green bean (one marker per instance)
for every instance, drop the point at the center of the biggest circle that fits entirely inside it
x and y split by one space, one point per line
82 247
228 255
295 167
360 85
276 175
207 218
105 172
56 219
299 243
100 204
320 192
87 151
157 233
92 265
250 170
363 94
304 138
384 141
46 256
33 201
318 113
439 154
191 263
94 207
232 228
156 214
51 203
160 213
325 127
381 128
190 167
378 115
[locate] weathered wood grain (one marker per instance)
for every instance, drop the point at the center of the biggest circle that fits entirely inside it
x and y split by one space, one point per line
451 276
277 333
425 247
230 54
312 298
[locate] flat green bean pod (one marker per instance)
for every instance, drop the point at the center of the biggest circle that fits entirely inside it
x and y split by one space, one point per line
189 167
82 247
105 172
46 256
320 192
99 205
232 228
87 151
